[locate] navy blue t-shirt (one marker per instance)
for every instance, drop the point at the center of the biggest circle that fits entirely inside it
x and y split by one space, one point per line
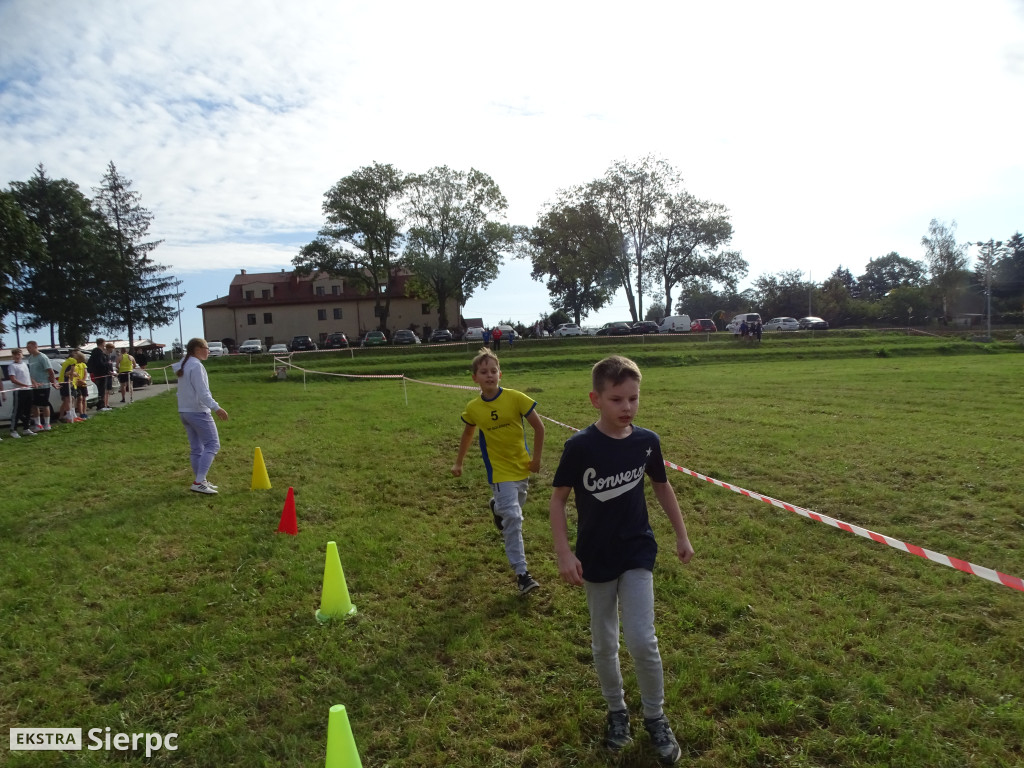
613 532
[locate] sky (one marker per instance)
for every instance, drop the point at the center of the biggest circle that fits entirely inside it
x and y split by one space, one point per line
833 132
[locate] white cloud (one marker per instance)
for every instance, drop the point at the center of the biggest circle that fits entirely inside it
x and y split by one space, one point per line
832 132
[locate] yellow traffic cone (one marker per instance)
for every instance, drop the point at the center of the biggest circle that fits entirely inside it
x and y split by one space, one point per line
334 599
259 472
341 747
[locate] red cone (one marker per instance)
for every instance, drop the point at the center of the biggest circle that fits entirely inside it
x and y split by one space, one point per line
289 523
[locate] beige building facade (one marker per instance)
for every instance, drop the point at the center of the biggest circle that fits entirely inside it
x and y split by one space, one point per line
276 306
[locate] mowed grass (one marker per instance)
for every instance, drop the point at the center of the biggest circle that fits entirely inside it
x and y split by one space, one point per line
127 602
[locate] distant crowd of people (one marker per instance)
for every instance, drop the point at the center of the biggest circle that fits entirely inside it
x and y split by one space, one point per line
31 377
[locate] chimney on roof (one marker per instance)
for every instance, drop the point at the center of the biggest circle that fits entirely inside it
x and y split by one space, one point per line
243 271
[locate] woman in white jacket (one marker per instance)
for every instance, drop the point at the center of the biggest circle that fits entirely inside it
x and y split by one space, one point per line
195 404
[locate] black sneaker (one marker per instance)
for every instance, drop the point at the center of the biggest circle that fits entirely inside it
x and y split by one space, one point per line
663 740
616 733
526 583
497 519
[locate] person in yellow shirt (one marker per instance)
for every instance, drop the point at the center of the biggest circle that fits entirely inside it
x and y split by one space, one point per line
125 366
499 414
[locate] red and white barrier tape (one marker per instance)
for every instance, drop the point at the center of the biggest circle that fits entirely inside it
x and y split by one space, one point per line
961 565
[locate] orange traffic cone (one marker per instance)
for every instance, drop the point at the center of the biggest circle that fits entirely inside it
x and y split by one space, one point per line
289 523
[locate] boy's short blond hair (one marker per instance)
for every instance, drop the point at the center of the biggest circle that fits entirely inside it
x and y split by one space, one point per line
482 356
612 371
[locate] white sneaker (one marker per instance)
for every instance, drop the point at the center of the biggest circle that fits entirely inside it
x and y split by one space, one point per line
105 409
203 488
14 434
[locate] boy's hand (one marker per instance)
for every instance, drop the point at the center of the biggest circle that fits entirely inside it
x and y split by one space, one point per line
570 569
535 464
457 470
684 550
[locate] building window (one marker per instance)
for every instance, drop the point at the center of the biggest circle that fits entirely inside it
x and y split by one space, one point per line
336 290
251 318
266 293
337 313
321 314
426 309
248 295
319 290
268 318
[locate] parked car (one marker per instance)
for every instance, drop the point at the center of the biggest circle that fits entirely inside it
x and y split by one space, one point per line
440 336
473 333
251 347
140 378
782 324
374 339
336 340
590 330
615 329
747 317
703 325
675 324
278 349
405 336
303 344
813 324
568 329
508 332
646 326
217 348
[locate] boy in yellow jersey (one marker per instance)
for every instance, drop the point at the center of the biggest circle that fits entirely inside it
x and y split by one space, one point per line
499 414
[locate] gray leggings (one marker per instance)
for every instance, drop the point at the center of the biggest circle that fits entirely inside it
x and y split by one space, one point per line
633 592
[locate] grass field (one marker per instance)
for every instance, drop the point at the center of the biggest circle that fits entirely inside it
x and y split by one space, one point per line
127 602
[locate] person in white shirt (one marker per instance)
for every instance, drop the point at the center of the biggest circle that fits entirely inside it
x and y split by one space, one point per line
21 392
195 404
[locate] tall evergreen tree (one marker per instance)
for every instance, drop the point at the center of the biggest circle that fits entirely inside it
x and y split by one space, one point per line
138 292
61 285
20 246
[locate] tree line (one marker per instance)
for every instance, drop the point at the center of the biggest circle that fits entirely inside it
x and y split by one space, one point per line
78 265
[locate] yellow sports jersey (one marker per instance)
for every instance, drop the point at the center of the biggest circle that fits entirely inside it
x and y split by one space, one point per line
502 435
65 376
126 364
80 374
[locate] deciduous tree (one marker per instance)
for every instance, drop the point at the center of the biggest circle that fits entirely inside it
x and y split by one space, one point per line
456 236
947 261
362 235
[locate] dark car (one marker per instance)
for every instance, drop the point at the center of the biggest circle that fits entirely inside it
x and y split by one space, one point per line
646 326
302 344
440 336
140 378
615 329
336 340
704 325
813 324
405 336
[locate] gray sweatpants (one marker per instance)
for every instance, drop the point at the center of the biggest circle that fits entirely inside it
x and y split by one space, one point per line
509 498
633 592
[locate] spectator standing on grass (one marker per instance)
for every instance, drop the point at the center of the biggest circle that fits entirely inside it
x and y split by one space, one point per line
67 396
195 403
21 392
112 373
758 329
99 371
125 366
496 338
499 413
81 387
604 465
43 380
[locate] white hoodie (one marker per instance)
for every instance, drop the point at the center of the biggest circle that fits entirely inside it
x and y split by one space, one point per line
194 388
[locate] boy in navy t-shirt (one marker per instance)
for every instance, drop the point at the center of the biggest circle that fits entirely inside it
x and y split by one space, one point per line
605 465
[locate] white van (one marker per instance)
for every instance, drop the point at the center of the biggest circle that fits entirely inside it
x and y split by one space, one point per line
474 333
747 317
675 324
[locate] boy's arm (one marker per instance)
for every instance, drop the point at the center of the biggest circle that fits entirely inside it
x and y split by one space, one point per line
667 498
467 438
569 566
538 439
